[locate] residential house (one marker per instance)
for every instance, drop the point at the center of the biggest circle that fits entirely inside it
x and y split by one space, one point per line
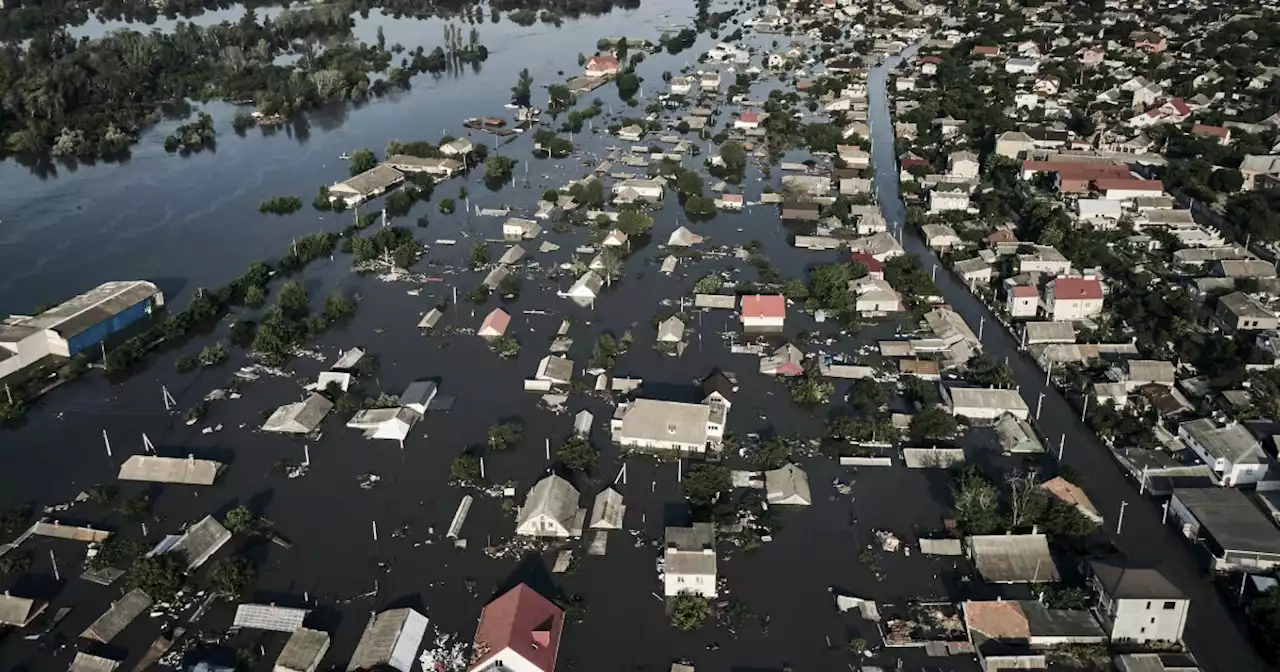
939 236
1022 301
1126 189
875 296
431 166
551 510
689 560
875 268
1217 133
651 424
985 51
518 632
1066 491
948 126
494 325
418 395
1073 298
1023 66
608 511
390 640
963 165
635 190
1100 213
974 271
729 201
671 330
1241 312
1012 144
615 238
602 66
1016 435
946 200
786 360
520 229
763 311
631 133
1256 168
854 186
806 185
457 147
980 403
1150 42
19 612
585 289
555 369
1014 634
1242 268
709 81
681 86
1234 532
392 424
798 211
1230 450
787 485
1137 604
1044 259
370 184
853 156
747 120
1091 58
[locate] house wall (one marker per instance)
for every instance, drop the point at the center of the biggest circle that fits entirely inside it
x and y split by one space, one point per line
1188 523
1243 474
985 413
763 322
542 526
1072 309
508 661
1023 306
659 445
699 584
95 334
1141 620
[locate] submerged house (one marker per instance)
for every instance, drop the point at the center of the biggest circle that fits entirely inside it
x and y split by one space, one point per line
197 544
518 632
787 485
689 560
651 424
608 510
302 417
551 510
495 324
372 183
19 611
183 470
391 639
585 290
118 617
393 424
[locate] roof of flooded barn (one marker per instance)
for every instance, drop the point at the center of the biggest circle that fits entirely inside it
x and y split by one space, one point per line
184 470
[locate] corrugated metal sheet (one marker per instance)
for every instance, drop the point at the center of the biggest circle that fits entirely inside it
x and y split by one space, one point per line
118 617
153 469
269 617
109 324
85 662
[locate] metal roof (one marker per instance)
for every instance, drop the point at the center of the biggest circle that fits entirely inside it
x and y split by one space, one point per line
982 397
118 617
608 510
788 485
665 421
1013 558
269 617
1049 332
384 636
303 651
553 497
86 662
201 541
102 302
301 417
1231 519
154 469
18 610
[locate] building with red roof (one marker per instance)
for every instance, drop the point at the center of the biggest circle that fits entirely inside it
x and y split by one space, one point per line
764 311
1125 188
989 52
495 324
518 632
602 66
1221 134
875 267
1073 298
747 120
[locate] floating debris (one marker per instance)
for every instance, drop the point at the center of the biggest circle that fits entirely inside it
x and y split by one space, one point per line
368 480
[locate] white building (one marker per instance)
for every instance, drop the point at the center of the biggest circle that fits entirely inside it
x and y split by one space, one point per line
1231 451
1071 298
585 290
963 165
651 424
981 403
941 200
689 560
551 510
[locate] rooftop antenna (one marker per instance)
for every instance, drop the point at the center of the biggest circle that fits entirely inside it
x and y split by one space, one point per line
169 401
147 445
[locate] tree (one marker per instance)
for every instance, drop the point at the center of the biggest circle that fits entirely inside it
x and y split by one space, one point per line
521 91
1023 490
466 469
479 256
509 287
700 206
917 390
337 307
689 611
498 167
868 395
159 576
771 453
931 425
1265 618
704 482
829 286
735 158
102 494
986 371
117 550
255 296
506 346
241 520
292 300
823 137
232 578
977 502
577 454
634 223
506 435
15 562
213 355
628 84
795 290
446 206
560 98
709 283
361 160
137 507
1226 180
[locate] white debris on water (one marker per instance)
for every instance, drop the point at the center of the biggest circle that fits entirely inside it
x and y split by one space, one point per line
446 654
368 480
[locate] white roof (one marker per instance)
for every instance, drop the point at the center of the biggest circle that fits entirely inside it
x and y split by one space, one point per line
655 420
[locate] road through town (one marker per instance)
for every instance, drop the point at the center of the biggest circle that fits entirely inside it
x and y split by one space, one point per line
1212 636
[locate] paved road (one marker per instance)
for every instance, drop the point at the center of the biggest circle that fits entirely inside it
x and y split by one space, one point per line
1210 634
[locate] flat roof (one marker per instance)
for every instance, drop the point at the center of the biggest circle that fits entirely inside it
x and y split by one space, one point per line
185 470
1231 519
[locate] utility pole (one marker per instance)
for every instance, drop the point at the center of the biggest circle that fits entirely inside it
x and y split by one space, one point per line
1062 444
1048 370
982 322
1120 521
1164 517
1085 407
106 441
1039 404
169 402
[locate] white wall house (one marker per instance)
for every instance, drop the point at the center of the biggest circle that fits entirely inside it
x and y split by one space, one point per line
689 560
1230 451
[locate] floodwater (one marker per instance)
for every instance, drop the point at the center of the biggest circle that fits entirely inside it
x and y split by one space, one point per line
189 222
1216 641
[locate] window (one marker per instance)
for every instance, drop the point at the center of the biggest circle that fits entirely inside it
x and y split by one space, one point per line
1148 605
1153 621
1170 605
1142 631
679 579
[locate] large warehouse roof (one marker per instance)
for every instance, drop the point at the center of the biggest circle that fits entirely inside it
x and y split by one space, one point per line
102 302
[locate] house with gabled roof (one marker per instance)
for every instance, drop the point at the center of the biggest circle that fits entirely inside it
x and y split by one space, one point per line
518 632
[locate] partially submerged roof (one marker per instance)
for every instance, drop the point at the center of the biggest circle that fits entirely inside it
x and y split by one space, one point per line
1020 621
269 617
18 611
608 510
554 497
348 359
1072 494
683 237
201 541
303 651
1013 558
665 421
788 485
392 639
523 622
301 417
118 617
154 469
87 662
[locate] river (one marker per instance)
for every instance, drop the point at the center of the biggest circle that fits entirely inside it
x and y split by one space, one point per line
1210 634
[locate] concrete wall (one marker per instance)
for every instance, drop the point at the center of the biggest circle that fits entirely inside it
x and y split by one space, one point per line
1149 620
700 584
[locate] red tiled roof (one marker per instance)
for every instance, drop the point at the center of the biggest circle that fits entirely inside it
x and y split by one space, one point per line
873 265
986 51
911 161
998 619
1077 288
930 59
731 198
764 305
1023 291
602 63
1214 131
523 622
496 321
750 117
1127 183
1002 236
1076 169
1180 107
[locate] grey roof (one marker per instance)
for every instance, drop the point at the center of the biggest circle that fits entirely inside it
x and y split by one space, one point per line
300 417
77 314
590 281
1156 662
683 237
1231 519
1050 332
87 662
430 319
1016 435
690 550
1121 581
375 179
608 510
303 651
1261 163
665 421
495 277
1151 370
671 329
1233 443
787 485
201 541
1064 623
118 617
985 397
184 470
384 634
1246 268
1243 305
555 368
554 497
1014 558
419 392
947 325
269 617
348 359
18 610
513 254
